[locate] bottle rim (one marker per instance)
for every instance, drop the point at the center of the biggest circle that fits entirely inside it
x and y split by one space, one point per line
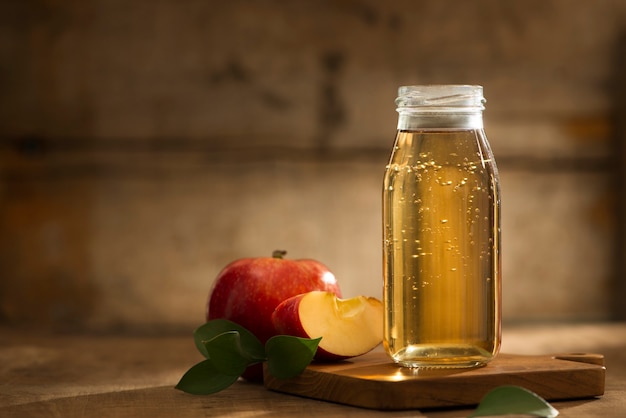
448 98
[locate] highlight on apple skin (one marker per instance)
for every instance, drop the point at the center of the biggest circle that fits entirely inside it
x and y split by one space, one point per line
348 327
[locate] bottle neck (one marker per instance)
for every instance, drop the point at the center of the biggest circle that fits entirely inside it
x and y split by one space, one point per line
457 107
411 121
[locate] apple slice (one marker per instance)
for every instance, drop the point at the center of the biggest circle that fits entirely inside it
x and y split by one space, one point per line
348 327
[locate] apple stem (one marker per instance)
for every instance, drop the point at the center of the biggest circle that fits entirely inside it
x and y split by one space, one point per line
279 254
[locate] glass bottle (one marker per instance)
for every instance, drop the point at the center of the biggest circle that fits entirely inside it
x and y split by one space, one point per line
441 218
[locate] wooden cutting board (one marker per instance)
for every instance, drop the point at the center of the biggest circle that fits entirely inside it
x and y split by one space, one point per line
373 381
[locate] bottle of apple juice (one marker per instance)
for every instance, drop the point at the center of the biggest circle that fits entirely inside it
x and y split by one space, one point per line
441 221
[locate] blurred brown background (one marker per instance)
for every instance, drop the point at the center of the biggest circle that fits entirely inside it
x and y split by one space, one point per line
147 143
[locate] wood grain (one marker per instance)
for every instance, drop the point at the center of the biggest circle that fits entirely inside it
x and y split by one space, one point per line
372 381
48 375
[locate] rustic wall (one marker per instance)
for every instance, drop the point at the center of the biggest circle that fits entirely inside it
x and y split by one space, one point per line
146 144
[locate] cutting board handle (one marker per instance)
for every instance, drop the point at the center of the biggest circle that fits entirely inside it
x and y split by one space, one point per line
589 358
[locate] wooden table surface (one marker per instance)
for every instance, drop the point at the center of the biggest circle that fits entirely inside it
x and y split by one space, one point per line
133 376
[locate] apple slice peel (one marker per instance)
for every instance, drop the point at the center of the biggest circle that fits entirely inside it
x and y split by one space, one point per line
348 327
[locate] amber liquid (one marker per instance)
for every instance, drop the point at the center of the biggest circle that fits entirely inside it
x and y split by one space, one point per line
441 214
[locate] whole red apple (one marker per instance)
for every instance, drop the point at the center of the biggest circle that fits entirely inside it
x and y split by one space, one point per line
248 290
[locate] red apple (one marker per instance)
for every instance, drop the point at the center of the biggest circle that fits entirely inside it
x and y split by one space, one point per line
248 290
348 327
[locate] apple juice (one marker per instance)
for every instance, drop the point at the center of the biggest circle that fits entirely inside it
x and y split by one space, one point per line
441 217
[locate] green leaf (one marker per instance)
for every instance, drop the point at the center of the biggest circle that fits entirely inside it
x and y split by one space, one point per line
228 354
204 379
288 356
507 400
215 327
229 348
